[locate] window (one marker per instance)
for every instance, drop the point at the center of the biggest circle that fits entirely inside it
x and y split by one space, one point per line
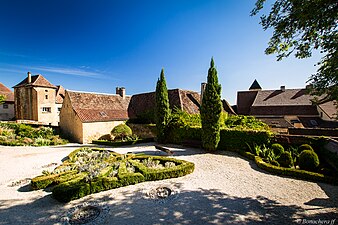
5 106
59 109
46 96
46 109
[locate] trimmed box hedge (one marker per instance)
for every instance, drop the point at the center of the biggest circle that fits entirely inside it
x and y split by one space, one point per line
290 172
122 143
75 184
231 139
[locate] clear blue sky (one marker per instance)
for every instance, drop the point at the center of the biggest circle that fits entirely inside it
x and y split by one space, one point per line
93 45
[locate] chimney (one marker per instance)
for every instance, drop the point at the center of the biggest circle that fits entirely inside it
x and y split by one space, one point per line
121 91
203 85
282 88
29 77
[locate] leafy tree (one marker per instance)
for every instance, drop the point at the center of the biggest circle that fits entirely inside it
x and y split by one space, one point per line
300 27
162 108
211 110
2 99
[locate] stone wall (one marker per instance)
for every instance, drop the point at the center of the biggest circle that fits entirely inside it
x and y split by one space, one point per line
7 111
94 130
70 123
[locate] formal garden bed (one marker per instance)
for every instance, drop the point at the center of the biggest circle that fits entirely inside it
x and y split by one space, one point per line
90 170
16 134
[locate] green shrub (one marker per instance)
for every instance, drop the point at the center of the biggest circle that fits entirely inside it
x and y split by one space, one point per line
89 171
308 160
301 174
277 149
231 139
244 122
305 147
285 160
121 131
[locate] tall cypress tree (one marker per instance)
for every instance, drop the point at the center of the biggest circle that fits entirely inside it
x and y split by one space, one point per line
162 108
211 110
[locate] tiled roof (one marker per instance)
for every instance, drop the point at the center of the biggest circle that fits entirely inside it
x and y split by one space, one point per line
189 101
7 93
330 108
295 97
37 81
93 107
60 94
276 122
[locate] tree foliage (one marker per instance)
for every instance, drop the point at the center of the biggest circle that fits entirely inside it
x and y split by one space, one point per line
162 108
211 110
2 99
299 28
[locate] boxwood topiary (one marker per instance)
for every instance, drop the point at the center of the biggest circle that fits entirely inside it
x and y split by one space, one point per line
121 131
304 147
308 160
277 149
285 160
99 170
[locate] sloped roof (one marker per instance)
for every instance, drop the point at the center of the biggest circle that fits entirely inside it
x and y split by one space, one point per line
255 86
289 97
37 81
189 101
330 108
7 93
60 94
94 107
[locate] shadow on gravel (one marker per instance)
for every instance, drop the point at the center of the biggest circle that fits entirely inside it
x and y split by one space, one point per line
331 201
189 207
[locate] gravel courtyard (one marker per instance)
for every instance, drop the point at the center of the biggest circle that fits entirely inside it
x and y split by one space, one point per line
224 189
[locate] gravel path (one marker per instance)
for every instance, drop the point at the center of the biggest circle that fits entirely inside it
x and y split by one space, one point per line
223 189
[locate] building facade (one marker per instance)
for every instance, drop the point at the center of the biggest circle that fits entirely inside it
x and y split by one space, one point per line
7 108
37 100
88 116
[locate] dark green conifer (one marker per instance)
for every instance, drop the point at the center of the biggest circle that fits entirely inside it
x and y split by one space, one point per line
162 108
211 110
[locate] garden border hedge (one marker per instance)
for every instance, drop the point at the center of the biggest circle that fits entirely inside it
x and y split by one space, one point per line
290 172
231 139
122 143
71 185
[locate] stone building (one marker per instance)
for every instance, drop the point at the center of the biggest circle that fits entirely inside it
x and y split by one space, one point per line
37 100
286 108
87 116
7 108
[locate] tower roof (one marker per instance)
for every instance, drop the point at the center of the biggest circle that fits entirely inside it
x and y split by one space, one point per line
255 86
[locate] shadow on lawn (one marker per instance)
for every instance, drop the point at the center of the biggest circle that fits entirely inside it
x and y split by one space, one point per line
189 207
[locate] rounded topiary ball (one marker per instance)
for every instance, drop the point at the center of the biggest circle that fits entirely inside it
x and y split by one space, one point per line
121 131
277 149
308 160
305 147
285 160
